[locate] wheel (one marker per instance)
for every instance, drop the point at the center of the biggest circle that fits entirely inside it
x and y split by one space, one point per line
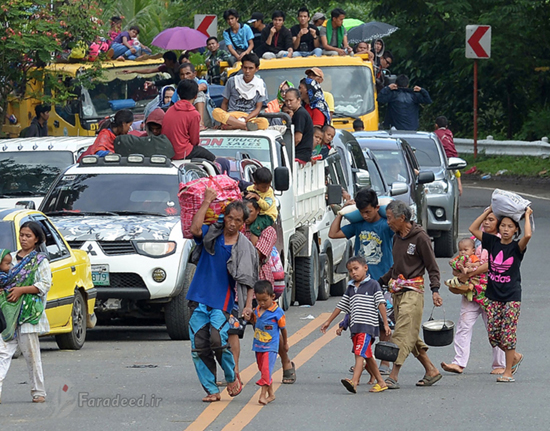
286 298
339 288
75 339
306 277
324 280
176 312
444 245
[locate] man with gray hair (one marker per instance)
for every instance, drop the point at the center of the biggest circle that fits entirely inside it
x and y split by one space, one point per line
412 257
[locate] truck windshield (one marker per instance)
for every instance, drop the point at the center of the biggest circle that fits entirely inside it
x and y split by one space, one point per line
119 91
351 86
115 193
239 147
30 173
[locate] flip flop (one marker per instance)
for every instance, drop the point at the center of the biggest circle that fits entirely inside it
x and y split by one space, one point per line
391 384
289 376
384 370
348 384
429 381
235 392
212 398
502 379
515 367
378 388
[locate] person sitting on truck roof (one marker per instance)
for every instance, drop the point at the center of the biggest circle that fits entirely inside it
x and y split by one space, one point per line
262 192
256 23
317 75
243 98
122 47
377 50
116 125
39 124
305 36
153 124
334 36
381 72
115 30
318 19
239 39
187 71
303 126
314 102
181 124
276 39
213 59
363 48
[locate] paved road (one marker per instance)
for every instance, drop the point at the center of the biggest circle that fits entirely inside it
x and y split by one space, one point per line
141 363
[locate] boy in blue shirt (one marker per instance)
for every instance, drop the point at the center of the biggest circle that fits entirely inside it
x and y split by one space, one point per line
268 320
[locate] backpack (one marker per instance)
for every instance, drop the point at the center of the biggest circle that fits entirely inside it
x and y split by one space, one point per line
147 146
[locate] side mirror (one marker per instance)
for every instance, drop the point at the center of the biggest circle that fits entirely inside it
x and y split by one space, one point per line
282 178
29 205
362 178
398 188
425 177
456 163
334 194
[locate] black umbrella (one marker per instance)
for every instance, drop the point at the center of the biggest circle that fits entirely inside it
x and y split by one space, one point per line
370 31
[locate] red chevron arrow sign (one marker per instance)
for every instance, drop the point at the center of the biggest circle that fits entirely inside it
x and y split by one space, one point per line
478 41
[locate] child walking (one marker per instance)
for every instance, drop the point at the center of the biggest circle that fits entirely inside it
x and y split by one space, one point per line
262 192
504 285
268 320
362 301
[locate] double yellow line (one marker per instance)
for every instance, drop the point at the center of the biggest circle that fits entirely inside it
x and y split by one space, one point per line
252 407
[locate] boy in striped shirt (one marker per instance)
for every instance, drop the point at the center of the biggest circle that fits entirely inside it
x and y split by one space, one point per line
362 301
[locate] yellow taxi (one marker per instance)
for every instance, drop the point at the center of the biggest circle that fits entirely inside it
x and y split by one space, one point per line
71 299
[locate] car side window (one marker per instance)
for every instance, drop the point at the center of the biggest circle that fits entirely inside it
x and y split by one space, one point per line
55 246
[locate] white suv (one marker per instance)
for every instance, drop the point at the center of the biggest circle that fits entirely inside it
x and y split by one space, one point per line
124 212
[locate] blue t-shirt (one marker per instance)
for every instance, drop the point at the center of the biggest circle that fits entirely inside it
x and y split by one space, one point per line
121 35
266 329
241 38
176 98
374 242
212 284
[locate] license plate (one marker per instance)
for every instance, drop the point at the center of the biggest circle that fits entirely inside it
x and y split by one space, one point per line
100 275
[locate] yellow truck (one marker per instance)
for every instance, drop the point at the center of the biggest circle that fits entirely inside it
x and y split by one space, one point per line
349 79
81 116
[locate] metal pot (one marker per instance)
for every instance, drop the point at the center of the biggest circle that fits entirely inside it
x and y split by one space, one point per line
386 351
438 332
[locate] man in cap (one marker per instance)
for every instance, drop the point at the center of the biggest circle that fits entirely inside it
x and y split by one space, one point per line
256 23
318 19
317 75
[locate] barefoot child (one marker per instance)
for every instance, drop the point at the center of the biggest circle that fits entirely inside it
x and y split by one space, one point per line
262 192
268 320
465 263
362 300
504 285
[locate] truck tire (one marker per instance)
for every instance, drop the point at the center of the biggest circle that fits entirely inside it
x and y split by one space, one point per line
306 277
286 298
339 288
75 339
444 245
324 279
176 312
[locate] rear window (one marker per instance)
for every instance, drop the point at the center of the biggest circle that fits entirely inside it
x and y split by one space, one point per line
7 235
425 150
393 165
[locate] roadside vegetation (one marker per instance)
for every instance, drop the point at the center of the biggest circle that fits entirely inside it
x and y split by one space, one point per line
509 166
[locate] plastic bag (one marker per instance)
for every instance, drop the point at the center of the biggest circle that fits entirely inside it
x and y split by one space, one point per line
509 204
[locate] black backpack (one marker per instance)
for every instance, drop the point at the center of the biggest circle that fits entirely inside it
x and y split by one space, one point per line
147 146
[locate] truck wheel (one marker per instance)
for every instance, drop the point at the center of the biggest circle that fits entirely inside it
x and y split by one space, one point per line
324 280
444 245
339 288
75 339
286 298
176 312
306 277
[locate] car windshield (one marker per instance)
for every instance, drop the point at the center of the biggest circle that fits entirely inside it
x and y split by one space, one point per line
30 173
7 235
239 147
376 181
118 91
351 86
393 165
114 193
425 150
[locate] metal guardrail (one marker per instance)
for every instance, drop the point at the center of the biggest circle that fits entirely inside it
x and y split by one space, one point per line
508 148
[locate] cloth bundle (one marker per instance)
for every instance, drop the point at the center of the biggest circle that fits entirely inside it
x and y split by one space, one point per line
509 204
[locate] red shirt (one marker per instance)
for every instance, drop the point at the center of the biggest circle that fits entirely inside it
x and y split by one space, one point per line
105 141
181 125
446 138
316 115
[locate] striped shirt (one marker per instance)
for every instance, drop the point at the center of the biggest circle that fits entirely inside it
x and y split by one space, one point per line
362 303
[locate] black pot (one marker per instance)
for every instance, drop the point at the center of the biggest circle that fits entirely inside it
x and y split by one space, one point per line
386 351
438 333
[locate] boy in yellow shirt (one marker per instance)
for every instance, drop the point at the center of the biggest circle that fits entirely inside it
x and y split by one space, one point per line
263 193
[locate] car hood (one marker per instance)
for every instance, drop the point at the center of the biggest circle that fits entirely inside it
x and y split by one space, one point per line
439 172
115 228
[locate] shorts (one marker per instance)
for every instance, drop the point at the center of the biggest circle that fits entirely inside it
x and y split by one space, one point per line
266 363
262 222
362 345
222 117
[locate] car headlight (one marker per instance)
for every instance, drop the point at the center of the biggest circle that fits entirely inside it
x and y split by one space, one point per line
438 187
413 212
155 248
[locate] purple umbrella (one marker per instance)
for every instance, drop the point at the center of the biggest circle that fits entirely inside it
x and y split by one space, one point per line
180 38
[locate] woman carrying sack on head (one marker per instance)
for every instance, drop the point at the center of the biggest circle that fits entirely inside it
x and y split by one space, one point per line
23 296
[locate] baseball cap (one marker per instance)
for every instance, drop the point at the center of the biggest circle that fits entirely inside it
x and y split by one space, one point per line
316 16
316 71
255 17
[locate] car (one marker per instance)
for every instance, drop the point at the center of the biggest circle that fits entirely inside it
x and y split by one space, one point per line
28 166
400 165
71 299
442 194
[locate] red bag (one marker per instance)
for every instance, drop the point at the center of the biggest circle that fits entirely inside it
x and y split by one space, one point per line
191 196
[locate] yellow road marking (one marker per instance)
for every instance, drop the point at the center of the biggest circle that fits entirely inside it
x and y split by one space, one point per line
213 410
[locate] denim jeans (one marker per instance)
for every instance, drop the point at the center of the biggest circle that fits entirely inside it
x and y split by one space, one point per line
121 49
317 52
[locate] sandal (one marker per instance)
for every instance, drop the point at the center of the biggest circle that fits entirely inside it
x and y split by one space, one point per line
429 380
348 384
289 376
503 379
515 367
378 388
38 399
236 387
391 383
384 370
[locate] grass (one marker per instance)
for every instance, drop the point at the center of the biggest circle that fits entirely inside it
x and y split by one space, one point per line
509 165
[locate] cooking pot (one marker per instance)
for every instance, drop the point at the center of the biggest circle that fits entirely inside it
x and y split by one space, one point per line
438 332
386 351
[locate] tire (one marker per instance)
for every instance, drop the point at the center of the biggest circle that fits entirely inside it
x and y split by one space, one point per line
75 339
306 277
324 280
176 312
286 298
339 288
444 245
